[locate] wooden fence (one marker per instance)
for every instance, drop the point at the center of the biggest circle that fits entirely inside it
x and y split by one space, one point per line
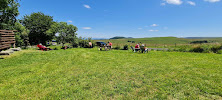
7 39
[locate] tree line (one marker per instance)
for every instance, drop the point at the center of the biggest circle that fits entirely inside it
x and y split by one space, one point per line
36 27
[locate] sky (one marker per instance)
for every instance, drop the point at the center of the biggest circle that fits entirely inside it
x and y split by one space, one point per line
133 18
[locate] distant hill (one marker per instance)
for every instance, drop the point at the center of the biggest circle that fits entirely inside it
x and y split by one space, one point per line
99 38
160 41
119 37
201 37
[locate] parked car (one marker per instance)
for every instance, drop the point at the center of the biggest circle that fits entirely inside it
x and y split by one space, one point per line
100 44
54 42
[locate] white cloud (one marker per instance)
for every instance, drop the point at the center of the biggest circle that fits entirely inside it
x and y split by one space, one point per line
86 28
191 3
87 6
212 1
153 30
163 4
174 2
69 21
154 25
140 28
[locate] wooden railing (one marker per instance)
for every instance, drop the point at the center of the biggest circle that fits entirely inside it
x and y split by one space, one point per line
7 38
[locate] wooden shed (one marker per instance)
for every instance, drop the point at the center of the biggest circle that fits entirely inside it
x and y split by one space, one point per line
7 39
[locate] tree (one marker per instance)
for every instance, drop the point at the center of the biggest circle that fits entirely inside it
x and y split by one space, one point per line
67 33
38 24
8 13
21 36
84 42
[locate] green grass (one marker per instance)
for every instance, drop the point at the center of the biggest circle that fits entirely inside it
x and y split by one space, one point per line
160 42
92 74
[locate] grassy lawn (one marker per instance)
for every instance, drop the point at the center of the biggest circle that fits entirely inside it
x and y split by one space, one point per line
92 74
159 42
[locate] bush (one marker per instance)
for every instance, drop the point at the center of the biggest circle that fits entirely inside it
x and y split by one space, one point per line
197 49
125 47
117 47
75 45
199 42
183 49
170 50
219 52
207 48
215 49
84 43
55 48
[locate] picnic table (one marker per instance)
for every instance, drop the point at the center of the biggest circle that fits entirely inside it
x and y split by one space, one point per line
142 49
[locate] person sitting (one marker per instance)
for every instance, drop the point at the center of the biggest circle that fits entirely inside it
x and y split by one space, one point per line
137 47
143 48
110 45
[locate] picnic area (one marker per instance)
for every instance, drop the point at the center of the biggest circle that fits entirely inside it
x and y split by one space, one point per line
81 73
110 50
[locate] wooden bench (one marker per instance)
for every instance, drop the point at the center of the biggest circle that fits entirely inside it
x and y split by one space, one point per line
142 49
135 49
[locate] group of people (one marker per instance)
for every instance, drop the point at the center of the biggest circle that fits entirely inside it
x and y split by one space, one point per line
107 46
142 48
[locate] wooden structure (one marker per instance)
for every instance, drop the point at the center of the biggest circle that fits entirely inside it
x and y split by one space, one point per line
7 39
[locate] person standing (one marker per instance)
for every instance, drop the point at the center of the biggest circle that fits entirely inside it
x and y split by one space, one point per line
90 44
110 44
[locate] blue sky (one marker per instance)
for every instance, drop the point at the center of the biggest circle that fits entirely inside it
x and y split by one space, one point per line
134 18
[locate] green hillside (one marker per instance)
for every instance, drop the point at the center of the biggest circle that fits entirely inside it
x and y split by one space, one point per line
160 41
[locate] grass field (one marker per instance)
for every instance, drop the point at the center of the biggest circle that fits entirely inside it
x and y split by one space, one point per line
117 74
160 42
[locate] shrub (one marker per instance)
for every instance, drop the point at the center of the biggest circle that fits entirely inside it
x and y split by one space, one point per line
200 42
215 49
207 48
170 50
197 49
219 52
125 47
75 44
182 49
176 49
55 48
117 47
83 42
